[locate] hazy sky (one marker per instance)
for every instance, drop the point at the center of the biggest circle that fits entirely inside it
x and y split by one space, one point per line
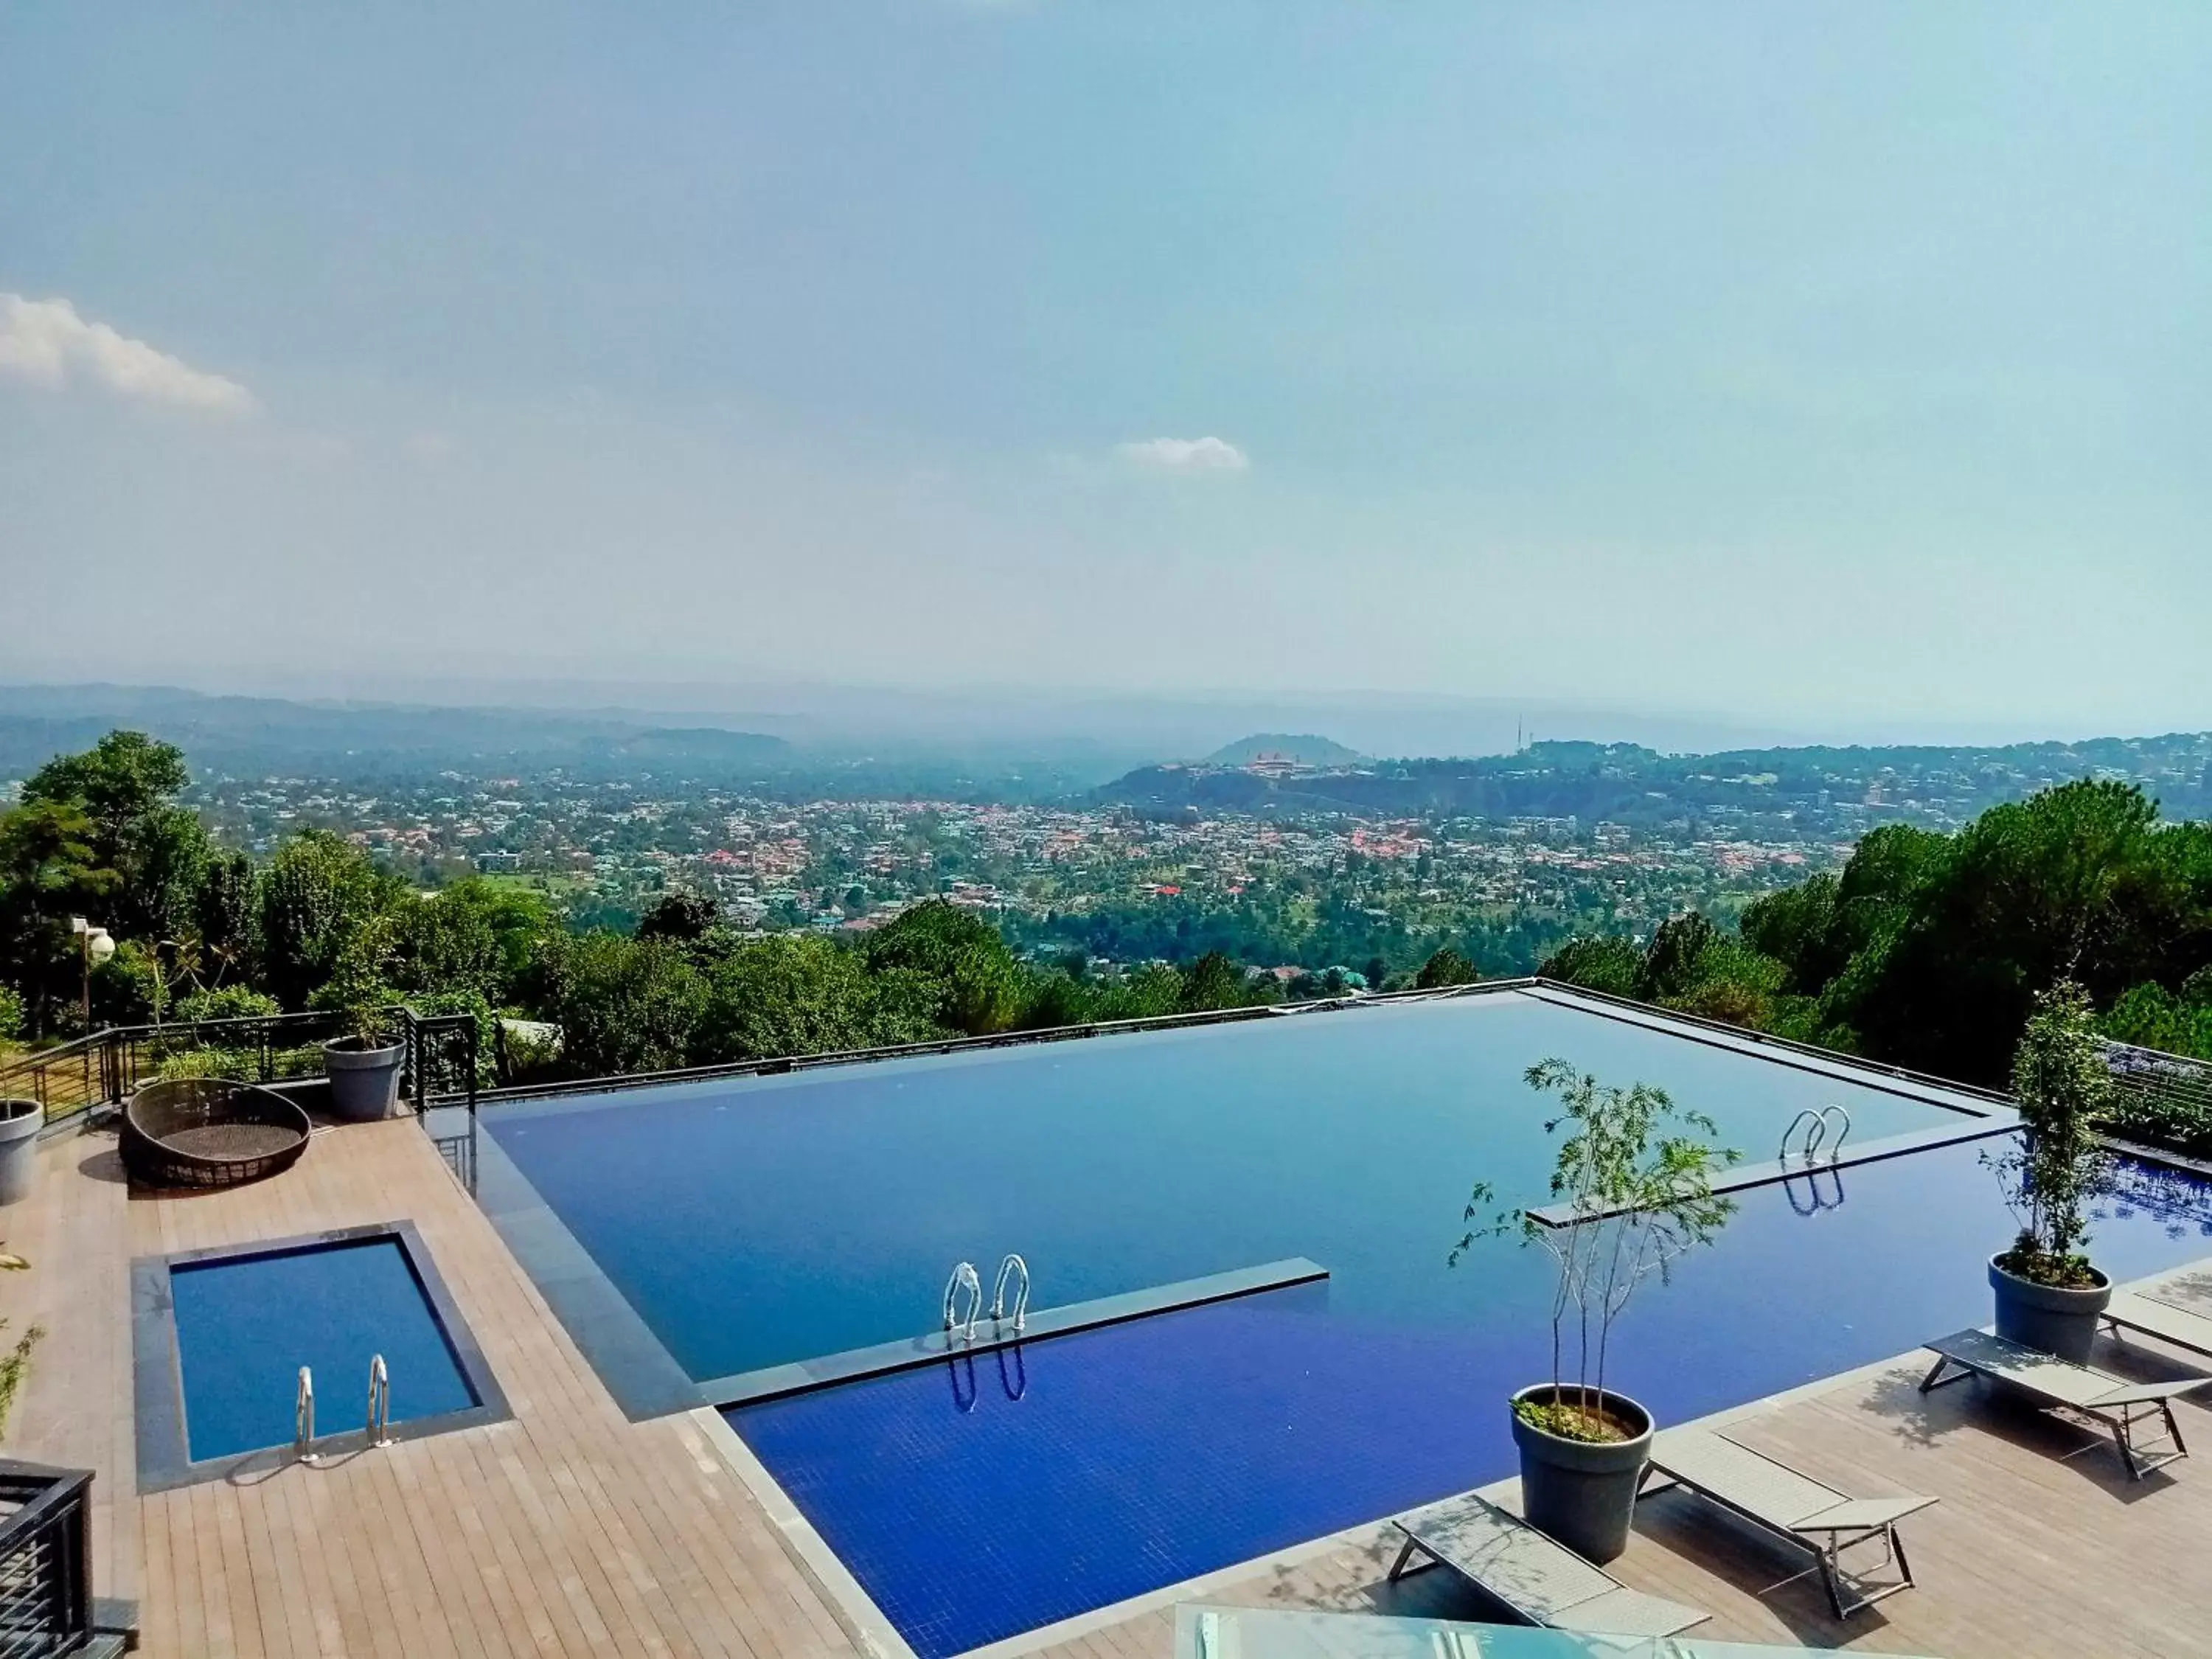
1835 364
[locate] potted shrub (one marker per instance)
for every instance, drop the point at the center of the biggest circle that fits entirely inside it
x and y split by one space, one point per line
1639 1171
363 1064
2048 1294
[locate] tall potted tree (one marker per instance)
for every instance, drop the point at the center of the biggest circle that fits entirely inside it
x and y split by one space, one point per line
2048 1294
363 1065
1634 1175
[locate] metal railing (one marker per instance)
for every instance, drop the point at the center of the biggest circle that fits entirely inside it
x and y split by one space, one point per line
442 1074
2168 1097
45 1558
443 1057
102 1069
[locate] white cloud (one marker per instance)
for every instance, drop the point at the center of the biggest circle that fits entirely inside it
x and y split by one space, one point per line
1185 455
45 343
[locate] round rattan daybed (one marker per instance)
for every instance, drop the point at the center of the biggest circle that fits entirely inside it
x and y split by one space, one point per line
209 1132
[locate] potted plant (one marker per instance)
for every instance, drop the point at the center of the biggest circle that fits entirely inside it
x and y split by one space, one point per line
363 1065
1639 1172
2048 1295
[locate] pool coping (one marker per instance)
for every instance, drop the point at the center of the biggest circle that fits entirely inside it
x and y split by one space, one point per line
631 1362
754 1387
164 1456
1783 1170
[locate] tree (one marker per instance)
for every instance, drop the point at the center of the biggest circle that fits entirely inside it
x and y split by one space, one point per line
316 892
223 918
473 937
982 988
1447 967
49 872
678 918
2078 883
624 1005
1604 963
785 995
126 785
1213 982
2064 1091
1671 961
1797 928
1638 1173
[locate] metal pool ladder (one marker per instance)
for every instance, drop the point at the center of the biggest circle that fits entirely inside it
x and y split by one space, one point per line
1816 1133
1012 1264
963 1279
380 1404
303 1417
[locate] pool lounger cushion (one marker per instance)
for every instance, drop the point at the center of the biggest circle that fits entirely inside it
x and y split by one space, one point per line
1793 1506
1541 1580
2069 1390
2151 1314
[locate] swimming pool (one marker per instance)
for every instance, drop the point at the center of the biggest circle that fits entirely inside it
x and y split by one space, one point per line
748 1223
224 1334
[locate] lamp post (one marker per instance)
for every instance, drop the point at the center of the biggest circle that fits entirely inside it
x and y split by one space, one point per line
94 947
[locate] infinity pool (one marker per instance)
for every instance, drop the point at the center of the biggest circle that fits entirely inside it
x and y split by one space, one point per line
749 1223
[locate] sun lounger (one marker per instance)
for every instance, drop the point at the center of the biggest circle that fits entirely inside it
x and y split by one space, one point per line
2150 1314
1793 1507
2071 1391
1540 1579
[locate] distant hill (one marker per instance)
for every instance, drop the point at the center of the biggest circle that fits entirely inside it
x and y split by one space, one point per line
1789 792
245 736
1304 748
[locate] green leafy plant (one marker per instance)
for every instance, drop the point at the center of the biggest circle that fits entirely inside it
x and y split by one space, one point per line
1639 1172
15 1364
358 989
2064 1091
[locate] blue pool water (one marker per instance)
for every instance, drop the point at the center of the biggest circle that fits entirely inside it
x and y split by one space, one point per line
757 1221
247 1324
1145 1454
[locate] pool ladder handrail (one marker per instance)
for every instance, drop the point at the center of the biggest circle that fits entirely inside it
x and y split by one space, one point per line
377 1432
963 1279
1816 1133
1012 1264
303 1417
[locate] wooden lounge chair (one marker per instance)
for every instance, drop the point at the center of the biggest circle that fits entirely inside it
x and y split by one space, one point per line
2151 1314
1793 1507
2081 1393
1538 1578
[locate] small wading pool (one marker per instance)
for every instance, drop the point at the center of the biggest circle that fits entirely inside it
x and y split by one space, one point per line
223 1336
736 1225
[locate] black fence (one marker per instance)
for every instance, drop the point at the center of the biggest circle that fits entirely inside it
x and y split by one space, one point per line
46 1559
444 1070
444 1060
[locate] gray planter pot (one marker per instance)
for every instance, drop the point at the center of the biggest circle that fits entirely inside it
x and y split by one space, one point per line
20 1123
2059 1322
364 1082
1579 1492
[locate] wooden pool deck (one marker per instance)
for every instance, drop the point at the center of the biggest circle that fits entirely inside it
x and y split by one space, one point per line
565 1530
568 1529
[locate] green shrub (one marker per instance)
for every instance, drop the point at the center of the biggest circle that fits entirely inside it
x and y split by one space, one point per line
229 1002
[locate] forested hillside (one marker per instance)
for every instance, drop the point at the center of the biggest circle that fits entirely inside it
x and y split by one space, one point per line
1794 791
1928 950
